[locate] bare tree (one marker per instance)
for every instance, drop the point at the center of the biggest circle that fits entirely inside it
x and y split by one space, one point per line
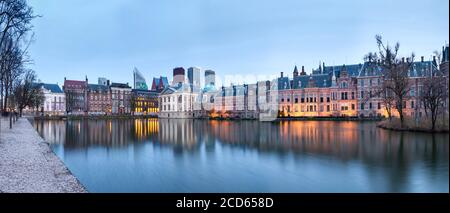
27 93
15 23
395 73
434 95
382 90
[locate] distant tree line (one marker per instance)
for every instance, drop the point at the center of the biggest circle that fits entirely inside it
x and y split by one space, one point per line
17 83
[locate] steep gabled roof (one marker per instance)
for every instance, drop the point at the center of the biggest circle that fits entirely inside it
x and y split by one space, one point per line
54 88
319 80
164 82
370 69
418 69
422 69
353 70
168 91
284 83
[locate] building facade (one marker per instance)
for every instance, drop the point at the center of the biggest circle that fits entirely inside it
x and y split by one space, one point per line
236 101
120 98
347 91
177 102
99 99
76 96
144 102
54 99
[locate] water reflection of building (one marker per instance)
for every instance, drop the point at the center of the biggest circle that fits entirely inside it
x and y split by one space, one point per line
338 140
342 141
145 129
179 132
54 132
106 133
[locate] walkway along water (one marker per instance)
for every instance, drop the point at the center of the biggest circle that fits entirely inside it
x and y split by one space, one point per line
28 165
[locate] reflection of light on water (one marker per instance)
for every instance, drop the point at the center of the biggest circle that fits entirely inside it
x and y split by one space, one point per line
143 128
152 125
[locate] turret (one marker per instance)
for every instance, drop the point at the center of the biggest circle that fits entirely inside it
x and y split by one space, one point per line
295 71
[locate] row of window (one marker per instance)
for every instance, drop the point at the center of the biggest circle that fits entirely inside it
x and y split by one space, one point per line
56 106
99 97
370 82
412 105
313 108
145 103
344 96
168 108
180 99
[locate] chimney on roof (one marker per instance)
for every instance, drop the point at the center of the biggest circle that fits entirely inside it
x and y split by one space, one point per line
281 74
421 59
107 82
323 68
303 71
64 79
403 59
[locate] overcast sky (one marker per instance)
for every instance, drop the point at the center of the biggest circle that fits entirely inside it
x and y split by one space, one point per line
109 38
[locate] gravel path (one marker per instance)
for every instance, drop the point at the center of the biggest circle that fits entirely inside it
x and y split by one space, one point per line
27 164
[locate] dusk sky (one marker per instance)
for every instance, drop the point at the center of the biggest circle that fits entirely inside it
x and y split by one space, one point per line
74 38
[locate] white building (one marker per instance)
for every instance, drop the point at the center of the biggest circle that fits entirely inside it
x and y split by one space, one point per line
177 102
55 99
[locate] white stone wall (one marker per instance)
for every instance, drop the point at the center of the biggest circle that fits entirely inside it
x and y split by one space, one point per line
54 103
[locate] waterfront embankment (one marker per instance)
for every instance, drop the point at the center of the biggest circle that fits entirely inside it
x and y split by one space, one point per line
28 165
412 125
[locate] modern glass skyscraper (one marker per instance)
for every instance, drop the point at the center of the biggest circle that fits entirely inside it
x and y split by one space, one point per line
210 78
139 80
194 76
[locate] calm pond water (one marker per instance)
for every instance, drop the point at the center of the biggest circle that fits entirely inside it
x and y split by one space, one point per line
151 155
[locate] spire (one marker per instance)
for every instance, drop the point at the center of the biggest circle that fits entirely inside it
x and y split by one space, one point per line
295 71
